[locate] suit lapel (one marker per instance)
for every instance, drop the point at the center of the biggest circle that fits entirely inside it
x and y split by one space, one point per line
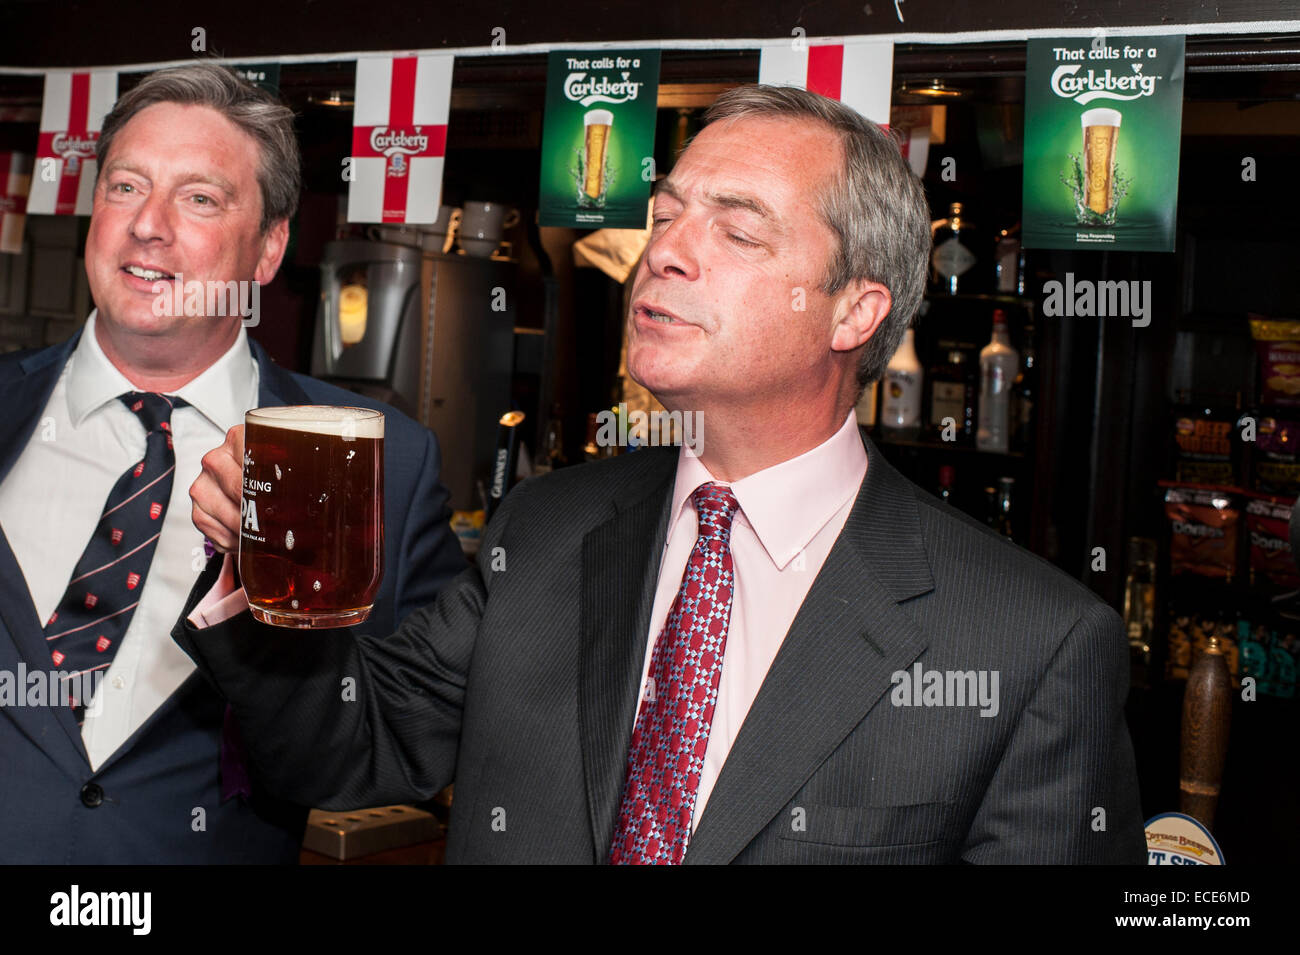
27 393
835 663
616 607
275 386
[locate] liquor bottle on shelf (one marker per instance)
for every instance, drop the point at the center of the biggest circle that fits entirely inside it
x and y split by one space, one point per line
1002 522
1140 598
901 404
551 454
866 407
952 396
595 449
946 480
1024 392
1009 266
955 255
998 365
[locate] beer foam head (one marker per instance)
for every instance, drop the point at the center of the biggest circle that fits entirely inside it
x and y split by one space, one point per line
598 117
1100 116
335 420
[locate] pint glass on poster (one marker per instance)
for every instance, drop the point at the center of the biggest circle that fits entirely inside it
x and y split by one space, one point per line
1100 135
596 126
311 543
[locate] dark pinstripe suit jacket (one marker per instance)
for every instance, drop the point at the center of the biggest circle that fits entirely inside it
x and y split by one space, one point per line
520 683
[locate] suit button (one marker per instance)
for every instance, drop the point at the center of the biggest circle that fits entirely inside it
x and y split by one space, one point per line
91 795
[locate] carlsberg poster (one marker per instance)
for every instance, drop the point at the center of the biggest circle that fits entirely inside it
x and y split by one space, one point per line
1103 116
599 138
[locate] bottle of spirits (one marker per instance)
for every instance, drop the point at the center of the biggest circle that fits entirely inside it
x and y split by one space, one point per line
946 481
551 454
1024 392
998 365
866 407
901 404
1140 598
952 396
592 451
1002 509
955 255
1009 268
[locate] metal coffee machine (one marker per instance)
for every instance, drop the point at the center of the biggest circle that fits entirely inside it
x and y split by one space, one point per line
367 335
430 333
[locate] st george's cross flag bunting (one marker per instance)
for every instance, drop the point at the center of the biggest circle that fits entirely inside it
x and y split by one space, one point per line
63 180
858 73
399 136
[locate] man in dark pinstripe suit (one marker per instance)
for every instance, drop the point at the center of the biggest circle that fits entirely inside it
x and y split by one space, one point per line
847 670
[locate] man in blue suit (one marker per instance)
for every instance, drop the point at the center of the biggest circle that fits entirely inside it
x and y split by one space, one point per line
103 437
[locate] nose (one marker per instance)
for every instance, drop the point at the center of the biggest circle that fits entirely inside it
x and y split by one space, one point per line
152 220
672 248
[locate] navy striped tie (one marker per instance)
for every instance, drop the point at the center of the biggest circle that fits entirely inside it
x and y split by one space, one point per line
88 625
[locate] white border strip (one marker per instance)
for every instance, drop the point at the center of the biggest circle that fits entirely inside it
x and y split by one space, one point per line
978 36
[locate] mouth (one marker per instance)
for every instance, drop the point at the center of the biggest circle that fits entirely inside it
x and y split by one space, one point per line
147 273
649 313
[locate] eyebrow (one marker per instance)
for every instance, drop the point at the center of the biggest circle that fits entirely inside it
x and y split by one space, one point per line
186 178
726 200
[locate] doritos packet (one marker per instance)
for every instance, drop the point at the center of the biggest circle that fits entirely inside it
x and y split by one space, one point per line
1268 522
1204 522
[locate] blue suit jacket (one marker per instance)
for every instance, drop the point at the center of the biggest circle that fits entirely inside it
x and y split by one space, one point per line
139 806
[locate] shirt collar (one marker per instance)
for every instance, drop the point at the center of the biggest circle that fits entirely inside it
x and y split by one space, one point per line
221 392
787 503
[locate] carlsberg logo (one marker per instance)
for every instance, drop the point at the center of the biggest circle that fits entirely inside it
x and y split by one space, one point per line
385 140
581 89
66 144
1067 82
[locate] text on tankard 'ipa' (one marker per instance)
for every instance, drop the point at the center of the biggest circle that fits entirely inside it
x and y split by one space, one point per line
311 544
1100 134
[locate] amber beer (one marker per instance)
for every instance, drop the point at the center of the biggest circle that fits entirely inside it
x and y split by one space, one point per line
596 125
1100 133
311 545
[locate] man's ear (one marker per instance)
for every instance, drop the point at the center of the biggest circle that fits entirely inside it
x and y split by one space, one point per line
859 310
274 243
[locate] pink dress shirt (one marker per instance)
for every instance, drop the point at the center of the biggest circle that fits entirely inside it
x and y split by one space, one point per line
790 515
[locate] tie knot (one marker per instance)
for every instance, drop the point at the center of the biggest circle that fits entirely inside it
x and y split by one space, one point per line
153 410
715 506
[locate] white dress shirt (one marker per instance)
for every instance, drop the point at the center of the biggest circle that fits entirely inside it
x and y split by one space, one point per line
790 515
52 499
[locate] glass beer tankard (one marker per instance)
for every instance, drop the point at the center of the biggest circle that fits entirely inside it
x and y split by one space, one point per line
311 542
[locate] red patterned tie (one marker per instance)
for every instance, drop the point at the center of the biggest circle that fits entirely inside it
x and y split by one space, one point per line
672 727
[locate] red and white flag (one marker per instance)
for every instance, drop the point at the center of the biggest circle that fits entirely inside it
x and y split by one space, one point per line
399 136
63 181
15 180
858 74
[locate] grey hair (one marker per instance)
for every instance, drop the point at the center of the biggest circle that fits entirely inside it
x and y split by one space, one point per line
876 207
255 111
